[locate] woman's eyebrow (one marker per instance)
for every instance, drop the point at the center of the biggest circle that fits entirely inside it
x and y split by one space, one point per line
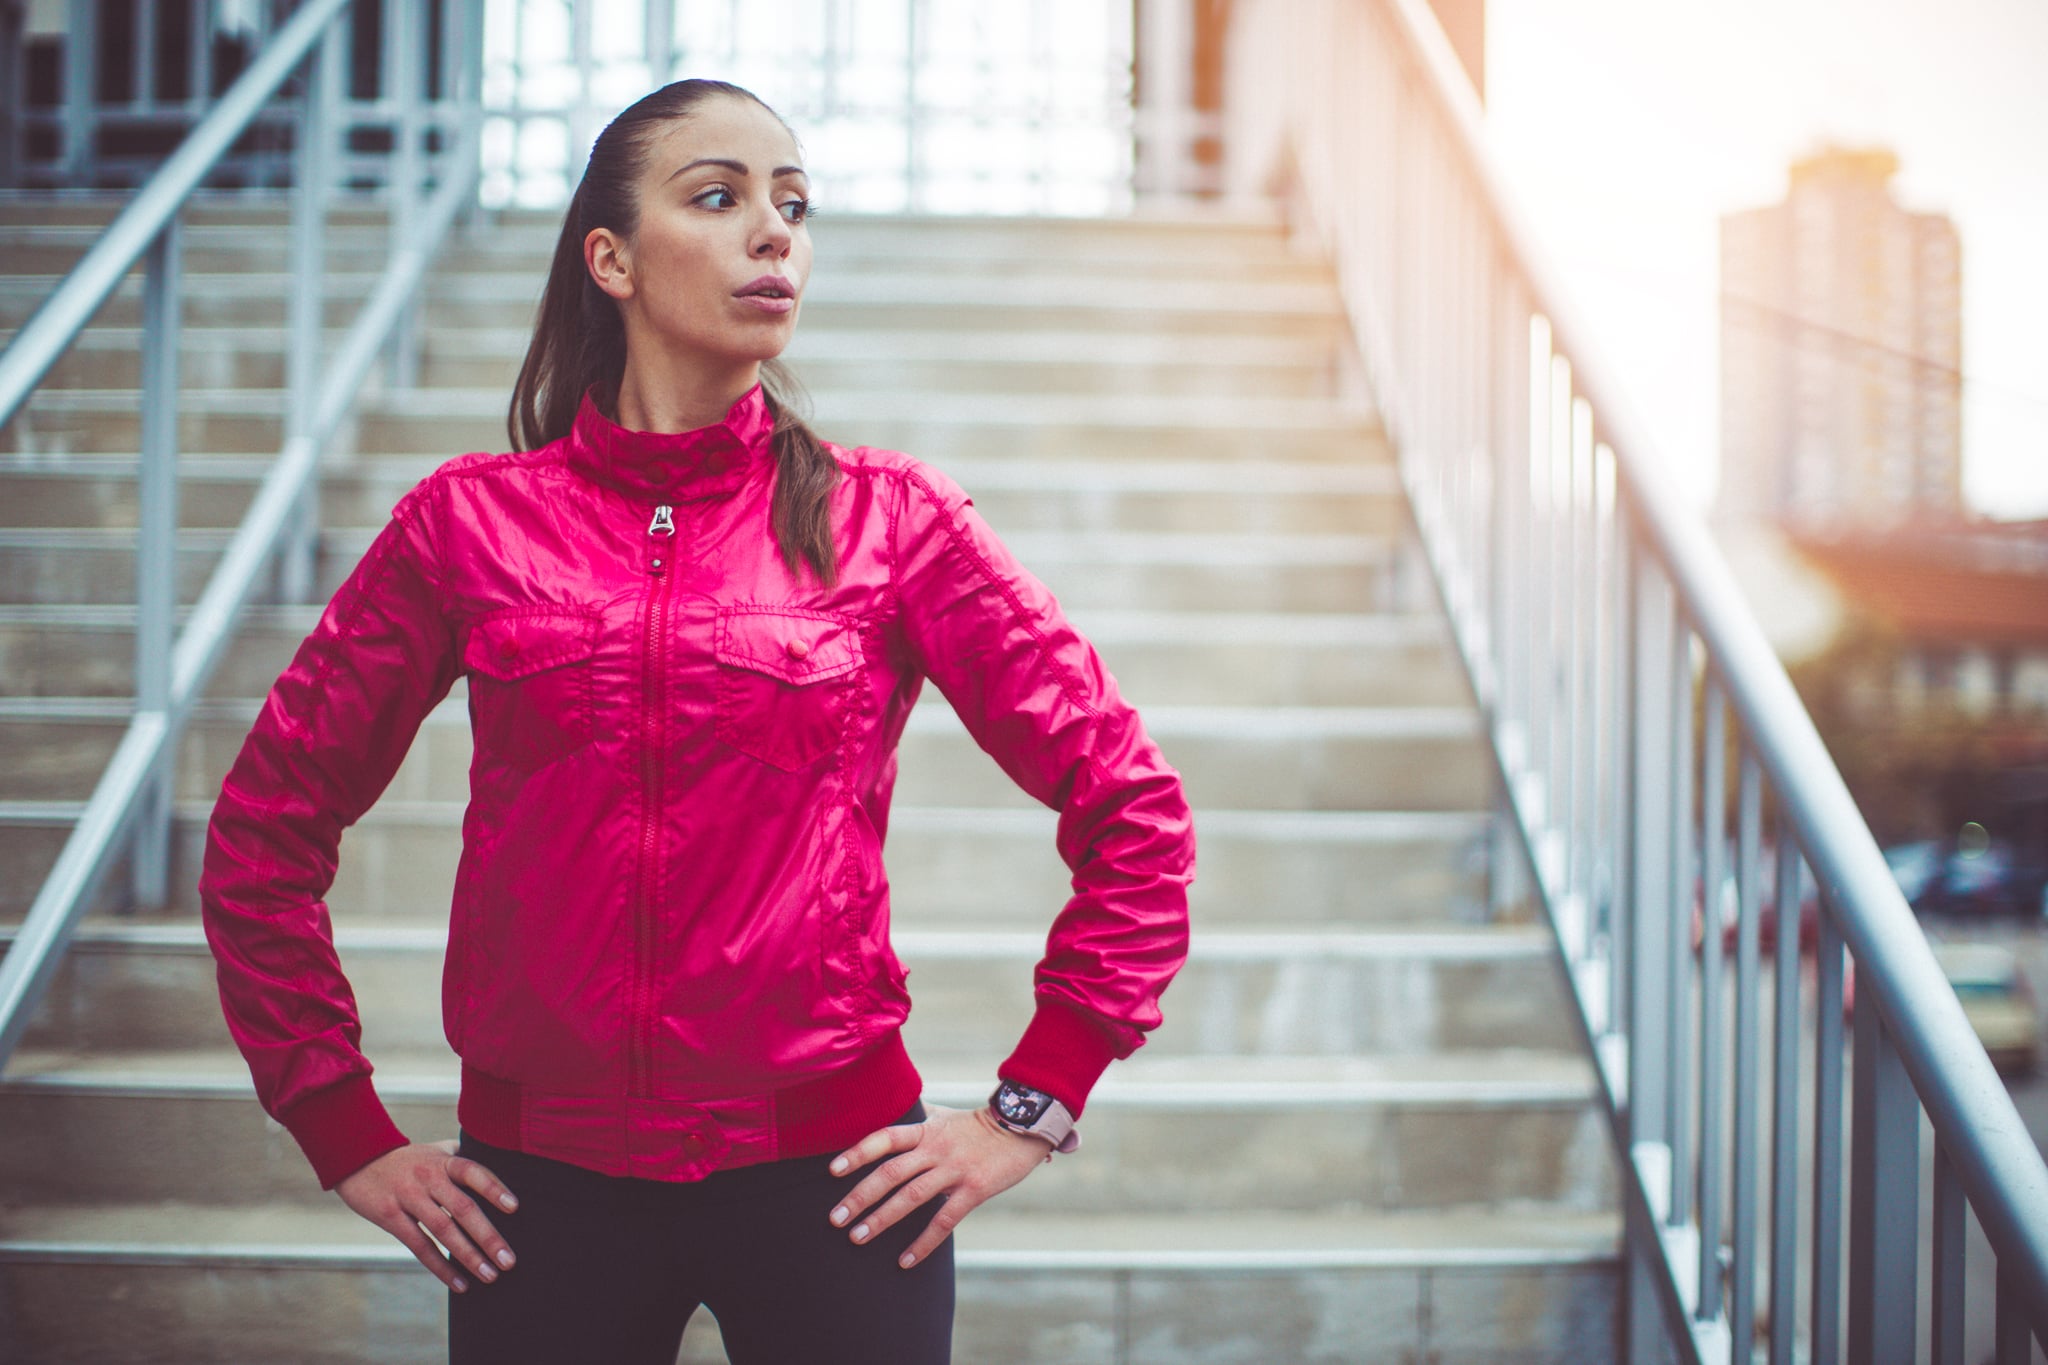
736 167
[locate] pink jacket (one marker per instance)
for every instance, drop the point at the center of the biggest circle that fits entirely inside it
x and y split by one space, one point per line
669 945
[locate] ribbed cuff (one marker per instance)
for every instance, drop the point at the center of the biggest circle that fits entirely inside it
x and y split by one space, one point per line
1064 1052
342 1129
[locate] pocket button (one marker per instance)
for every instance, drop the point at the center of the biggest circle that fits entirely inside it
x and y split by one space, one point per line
799 650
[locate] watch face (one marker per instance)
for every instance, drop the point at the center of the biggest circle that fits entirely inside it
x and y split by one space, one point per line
1020 1106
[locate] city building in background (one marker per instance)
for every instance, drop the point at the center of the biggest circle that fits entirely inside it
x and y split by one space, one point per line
1841 353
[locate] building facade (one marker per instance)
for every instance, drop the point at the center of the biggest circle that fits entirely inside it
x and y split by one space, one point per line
1841 354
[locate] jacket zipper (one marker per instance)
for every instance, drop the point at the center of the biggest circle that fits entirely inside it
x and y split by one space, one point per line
653 717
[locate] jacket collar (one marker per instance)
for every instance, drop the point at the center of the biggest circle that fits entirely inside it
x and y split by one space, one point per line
713 461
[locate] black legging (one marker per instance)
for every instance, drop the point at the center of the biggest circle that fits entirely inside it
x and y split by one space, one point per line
610 1268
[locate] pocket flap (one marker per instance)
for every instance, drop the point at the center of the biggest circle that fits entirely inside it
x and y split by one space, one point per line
792 645
510 645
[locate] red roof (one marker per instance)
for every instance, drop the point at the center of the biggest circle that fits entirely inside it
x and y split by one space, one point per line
1951 587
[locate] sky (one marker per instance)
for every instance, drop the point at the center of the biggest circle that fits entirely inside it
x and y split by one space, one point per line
1627 127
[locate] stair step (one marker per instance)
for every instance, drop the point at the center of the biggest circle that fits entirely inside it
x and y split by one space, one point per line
936 428
145 1282
1280 758
1177 496
1229 572
947 865
1164 1134
128 986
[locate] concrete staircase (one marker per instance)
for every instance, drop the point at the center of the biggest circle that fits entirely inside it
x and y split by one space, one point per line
1365 1132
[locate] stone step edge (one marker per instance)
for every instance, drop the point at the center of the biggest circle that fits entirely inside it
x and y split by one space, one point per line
932 717
1278 416
994 1242
1209 947
834 344
1273 826
1347 630
221 1075
991 474
1201 549
970 1260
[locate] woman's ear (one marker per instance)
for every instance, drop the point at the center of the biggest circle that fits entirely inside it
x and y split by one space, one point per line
604 255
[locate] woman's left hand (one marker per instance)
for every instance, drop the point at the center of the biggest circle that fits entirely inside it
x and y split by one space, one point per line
962 1154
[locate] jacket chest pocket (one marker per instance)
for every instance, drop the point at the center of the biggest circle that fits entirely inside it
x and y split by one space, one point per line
529 671
785 680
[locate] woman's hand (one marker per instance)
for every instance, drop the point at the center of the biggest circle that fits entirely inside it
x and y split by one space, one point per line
420 1185
962 1154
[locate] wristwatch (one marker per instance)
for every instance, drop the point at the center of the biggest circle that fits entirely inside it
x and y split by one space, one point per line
1020 1109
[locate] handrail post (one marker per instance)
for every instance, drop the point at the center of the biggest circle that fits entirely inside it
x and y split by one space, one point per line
81 45
13 97
307 320
1648 913
1884 1195
405 74
156 555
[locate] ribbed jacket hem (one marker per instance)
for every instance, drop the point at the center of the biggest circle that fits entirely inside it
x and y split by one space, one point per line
654 1138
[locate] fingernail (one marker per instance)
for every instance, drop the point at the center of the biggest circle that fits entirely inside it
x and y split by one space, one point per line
485 1273
860 1234
839 1216
505 1257
508 1201
907 1261
461 1285
839 1166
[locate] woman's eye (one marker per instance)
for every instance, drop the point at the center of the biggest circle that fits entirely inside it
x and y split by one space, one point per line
717 197
796 210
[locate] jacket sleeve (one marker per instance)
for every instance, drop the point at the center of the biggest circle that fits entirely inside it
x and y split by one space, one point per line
1036 697
329 738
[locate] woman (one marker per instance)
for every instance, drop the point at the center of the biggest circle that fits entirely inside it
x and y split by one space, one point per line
691 633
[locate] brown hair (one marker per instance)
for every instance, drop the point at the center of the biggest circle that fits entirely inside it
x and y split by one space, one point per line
579 339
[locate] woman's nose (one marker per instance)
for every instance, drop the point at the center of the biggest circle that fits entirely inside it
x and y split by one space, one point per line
775 236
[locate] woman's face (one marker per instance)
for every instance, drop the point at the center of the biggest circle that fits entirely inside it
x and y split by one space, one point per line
713 275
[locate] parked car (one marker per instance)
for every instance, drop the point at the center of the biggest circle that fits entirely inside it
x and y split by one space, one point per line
1969 876
1997 1001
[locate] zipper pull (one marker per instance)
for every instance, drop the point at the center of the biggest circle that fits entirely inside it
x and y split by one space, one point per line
664 523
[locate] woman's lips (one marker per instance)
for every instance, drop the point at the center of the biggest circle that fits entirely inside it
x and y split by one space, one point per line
768 294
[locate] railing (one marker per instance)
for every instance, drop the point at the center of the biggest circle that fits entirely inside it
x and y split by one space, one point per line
133 79
1622 678
952 106
130 805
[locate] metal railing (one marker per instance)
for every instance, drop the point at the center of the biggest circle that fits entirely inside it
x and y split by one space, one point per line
134 78
952 106
1622 680
130 806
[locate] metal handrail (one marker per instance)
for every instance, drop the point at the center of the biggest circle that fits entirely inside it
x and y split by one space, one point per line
132 791
1595 617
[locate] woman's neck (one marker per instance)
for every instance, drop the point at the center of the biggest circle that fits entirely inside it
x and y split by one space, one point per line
660 399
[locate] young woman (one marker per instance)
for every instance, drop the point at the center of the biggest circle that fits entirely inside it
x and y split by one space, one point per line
691 633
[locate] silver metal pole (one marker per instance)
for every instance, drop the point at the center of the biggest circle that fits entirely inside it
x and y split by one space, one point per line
156 554
1678 871
1951 1231
1713 1106
148 23
1884 1196
405 74
308 305
1785 1027
1748 1070
1826 1310
1649 918
81 69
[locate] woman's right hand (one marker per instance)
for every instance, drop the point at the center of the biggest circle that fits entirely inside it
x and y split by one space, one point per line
421 1185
